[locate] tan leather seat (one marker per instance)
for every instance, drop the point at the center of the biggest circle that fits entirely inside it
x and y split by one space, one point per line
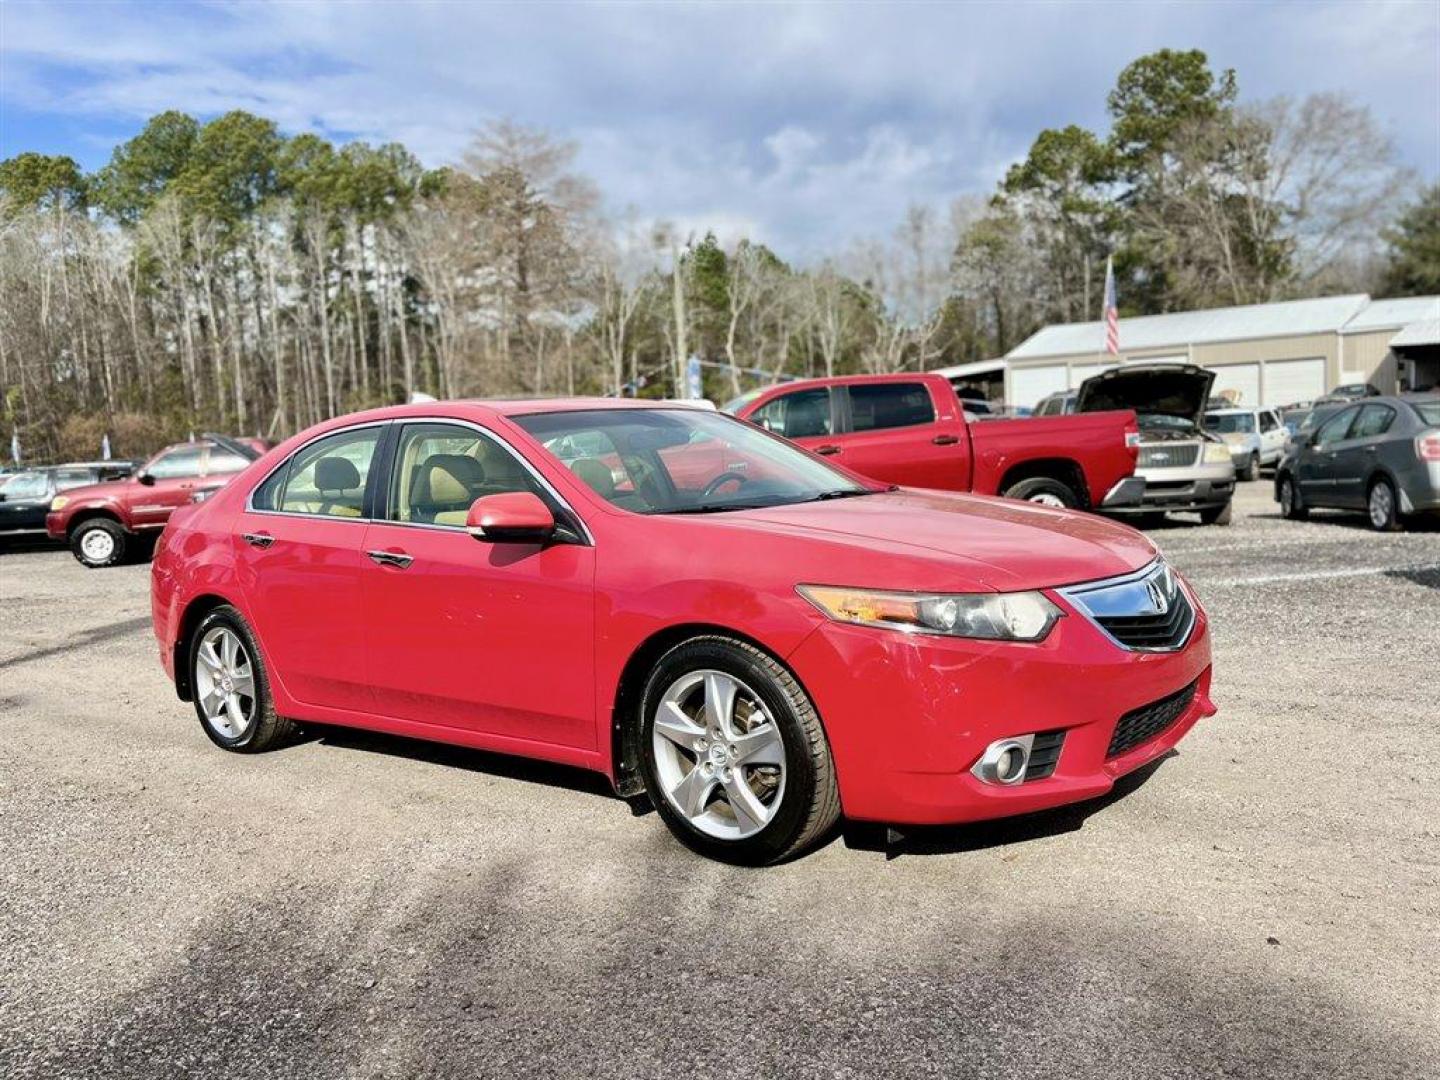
445 487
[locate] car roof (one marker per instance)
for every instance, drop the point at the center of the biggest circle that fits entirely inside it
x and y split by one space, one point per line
1236 410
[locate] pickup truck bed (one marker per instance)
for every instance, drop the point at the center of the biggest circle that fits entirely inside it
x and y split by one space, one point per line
912 430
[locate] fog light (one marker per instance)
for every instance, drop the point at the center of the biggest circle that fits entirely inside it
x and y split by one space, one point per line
1004 761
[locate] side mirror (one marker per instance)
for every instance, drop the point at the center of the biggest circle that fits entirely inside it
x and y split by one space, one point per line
145 478
516 517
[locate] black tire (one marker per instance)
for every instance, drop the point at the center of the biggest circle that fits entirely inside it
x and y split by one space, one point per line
265 730
106 540
1252 468
1216 515
1291 506
1042 489
810 800
1146 521
1382 508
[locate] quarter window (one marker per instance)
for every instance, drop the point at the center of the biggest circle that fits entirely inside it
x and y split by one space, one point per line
442 468
327 477
805 413
889 405
1374 420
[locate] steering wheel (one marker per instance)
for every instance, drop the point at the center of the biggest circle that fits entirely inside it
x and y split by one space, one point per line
720 481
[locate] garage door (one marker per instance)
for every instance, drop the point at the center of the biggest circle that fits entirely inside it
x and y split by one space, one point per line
1289 381
1029 385
1238 382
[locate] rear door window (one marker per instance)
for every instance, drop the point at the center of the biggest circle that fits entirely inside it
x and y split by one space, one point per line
876 406
798 415
1374 420
328 477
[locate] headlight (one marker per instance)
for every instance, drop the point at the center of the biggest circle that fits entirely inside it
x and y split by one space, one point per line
1216 453
59 502
1022 616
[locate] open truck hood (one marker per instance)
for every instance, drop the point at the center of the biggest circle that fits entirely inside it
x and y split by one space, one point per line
1165 389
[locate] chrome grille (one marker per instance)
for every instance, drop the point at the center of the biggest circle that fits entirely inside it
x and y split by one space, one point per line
1146 611
1168 456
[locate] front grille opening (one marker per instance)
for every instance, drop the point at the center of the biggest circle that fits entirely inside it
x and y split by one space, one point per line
1166 630
1044 755
1168 456
1143 724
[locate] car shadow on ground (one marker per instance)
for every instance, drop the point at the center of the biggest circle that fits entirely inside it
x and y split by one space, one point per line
1355 519
1002 832
528 770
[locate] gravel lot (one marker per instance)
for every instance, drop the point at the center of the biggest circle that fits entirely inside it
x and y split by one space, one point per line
1264 903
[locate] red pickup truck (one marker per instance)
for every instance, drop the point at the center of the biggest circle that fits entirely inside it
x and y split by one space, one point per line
106 524
912 430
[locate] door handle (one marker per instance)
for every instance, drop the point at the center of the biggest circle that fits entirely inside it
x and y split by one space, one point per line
827 449
945 440
260 540
390 558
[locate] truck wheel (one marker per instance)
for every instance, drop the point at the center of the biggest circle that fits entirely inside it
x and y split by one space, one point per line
98 542
1252 468
1216 515
1045 491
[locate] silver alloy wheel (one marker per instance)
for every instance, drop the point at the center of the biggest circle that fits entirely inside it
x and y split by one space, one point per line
1382 505
97 545
719 756
225 683
1046 498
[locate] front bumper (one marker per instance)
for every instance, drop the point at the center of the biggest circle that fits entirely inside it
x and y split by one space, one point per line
908 716
1197 487
55 525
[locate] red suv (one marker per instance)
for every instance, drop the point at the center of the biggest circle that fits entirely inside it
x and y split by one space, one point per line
105 524
752 637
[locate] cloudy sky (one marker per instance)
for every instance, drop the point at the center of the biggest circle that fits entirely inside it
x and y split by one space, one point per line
797 124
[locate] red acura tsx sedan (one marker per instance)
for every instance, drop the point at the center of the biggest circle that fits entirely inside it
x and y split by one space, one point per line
756 639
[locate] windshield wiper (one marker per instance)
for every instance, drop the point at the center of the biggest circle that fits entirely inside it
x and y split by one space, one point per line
713 508
843 493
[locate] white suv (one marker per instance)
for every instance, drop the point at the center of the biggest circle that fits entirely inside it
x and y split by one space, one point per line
1256 438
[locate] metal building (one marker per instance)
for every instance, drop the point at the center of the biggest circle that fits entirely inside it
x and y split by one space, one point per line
1266 354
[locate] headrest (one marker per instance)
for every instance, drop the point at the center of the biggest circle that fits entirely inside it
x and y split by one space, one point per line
452 478
596 474
336 474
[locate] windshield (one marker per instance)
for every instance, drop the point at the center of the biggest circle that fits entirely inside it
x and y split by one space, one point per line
683 461
1230 423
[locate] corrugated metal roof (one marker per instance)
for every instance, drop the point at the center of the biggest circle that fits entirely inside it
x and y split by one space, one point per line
1420 332
1393 314
1325 314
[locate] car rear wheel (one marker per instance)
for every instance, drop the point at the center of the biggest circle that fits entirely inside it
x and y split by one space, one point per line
99 542
1044 490
231 688
1291 507
1383 506
734 756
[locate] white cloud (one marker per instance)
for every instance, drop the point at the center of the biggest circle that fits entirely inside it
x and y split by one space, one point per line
810 124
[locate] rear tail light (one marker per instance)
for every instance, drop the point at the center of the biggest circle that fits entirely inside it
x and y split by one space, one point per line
1427 446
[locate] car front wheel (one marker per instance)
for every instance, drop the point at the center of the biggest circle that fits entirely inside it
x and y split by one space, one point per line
734 756
99 542
231 688
1291 507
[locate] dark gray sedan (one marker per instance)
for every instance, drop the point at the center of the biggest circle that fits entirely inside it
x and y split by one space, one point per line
1380 455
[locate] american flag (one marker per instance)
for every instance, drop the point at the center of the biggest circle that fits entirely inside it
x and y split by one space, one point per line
1112 313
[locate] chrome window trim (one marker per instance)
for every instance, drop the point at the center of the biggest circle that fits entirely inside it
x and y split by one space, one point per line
1073 595
587 537
285 462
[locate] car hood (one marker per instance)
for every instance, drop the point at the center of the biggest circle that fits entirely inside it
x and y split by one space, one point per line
105 489
1167 389
990 543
